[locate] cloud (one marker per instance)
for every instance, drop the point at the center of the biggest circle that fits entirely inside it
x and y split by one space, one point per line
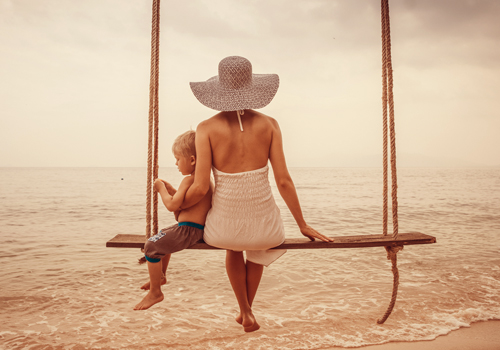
74 71
449 18
430 34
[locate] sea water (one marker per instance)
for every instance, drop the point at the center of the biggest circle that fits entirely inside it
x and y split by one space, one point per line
60 287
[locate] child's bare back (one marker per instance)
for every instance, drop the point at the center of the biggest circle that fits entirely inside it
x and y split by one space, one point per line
198 212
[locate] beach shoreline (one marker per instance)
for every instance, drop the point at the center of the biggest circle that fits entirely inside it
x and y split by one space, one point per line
76 293
484 335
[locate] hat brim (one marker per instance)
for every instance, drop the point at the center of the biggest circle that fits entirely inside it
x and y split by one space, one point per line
257 95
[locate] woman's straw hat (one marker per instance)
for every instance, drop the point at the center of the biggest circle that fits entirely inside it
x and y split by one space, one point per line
236 88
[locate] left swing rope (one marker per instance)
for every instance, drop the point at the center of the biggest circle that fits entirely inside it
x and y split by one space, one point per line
152 168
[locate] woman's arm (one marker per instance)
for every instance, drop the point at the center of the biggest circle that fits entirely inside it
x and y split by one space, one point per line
201 183
173 202
287 188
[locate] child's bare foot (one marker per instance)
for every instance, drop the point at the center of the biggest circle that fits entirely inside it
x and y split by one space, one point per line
149 300
146 285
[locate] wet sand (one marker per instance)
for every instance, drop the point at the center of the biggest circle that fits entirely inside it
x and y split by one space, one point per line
479 336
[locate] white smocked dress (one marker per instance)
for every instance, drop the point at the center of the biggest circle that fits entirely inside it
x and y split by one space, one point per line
244 216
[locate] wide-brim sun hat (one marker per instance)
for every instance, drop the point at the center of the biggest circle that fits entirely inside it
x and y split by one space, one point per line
236 87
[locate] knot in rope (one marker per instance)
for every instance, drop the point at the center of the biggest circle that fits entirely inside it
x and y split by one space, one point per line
392 251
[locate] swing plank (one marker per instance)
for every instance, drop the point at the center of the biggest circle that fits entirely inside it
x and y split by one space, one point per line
364 241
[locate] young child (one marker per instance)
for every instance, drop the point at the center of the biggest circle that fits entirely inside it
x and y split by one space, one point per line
190 225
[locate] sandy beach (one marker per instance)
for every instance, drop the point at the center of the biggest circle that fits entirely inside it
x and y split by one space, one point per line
479 336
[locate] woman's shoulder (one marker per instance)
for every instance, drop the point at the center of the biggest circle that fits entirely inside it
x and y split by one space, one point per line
213 120
265 118
222 119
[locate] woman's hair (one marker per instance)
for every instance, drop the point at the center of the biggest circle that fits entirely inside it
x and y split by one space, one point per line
184 144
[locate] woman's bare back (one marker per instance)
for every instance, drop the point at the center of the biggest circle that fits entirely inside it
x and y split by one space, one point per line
235 151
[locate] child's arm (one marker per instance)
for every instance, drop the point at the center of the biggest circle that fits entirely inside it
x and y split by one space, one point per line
171 191
173 202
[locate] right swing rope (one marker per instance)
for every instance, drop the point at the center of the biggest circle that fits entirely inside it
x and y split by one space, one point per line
388 100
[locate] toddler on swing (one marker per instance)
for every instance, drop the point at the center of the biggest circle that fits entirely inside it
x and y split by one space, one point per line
186 232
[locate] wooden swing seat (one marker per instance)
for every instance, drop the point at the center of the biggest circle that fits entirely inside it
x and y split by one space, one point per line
363 241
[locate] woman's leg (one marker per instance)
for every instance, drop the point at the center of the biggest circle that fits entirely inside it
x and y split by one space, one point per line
245 279
254 275
154 295
236 271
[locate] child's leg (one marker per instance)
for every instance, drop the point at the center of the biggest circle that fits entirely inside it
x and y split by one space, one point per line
237 273
154 295
164 264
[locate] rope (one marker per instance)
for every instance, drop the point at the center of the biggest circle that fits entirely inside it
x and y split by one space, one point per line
153 120
394 179
156 27
388 101
392 255
384 121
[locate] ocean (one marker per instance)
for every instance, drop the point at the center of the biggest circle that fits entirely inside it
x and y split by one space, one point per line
61 288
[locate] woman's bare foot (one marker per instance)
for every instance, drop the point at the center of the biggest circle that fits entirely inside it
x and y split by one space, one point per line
149 300
246 320
146 285
253 328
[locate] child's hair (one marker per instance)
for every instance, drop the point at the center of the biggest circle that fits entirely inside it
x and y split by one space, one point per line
184 144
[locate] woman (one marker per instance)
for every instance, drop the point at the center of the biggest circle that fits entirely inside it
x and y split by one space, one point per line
237 144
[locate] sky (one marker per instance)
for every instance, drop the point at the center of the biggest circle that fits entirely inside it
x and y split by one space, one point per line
74 78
